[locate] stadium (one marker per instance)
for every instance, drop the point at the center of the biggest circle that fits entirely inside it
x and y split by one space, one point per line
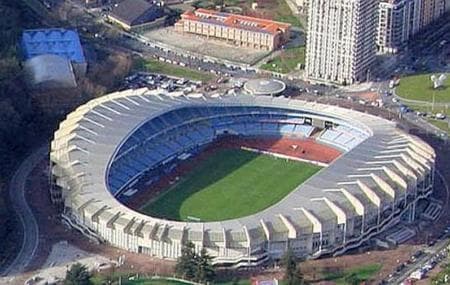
244 177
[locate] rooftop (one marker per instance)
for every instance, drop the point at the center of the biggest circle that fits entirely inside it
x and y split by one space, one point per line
135 12
50 71
264 86
343 189
56 41
234 20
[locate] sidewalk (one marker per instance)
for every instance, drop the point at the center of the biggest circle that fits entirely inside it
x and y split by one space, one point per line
358 87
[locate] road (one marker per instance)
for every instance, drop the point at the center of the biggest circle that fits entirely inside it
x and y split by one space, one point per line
430 252
23 211
147 48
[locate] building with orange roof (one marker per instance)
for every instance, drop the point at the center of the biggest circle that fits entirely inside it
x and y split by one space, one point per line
238 30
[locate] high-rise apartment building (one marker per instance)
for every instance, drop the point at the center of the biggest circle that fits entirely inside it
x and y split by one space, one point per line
302 5
341 43
431 10
398 20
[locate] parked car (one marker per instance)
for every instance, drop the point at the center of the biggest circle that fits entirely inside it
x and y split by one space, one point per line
440 116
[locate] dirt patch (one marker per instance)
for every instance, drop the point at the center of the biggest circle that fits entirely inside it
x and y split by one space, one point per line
389 259
314 270
368 96
201 45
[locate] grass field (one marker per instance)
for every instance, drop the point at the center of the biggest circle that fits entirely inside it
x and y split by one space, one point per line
153 282
419 87
284 14
230 184
277 10
356 275
287 61
155 66
443 125
100 280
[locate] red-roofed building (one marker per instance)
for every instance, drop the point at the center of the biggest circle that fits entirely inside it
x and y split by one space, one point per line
239 30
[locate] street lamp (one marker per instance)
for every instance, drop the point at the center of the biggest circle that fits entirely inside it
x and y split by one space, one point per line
437 82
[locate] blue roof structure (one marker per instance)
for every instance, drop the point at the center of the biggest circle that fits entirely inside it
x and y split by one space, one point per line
57 41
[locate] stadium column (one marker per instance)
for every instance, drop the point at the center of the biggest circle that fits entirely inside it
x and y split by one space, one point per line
316 224
266 233
412 211
247 236
432 175
225 250
413 205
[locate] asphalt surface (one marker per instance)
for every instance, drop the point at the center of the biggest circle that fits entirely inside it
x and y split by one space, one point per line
23 211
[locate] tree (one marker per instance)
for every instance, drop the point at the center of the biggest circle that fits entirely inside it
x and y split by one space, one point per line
193 266
219 3
292 274
205 271
185 266
78 274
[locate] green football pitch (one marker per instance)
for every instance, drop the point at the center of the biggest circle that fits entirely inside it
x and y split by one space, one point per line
230 184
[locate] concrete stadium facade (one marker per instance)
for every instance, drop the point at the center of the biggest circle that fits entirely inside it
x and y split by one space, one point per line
364 191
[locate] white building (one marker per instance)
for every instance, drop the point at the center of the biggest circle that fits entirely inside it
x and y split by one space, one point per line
341 40
105 145
398 20
431 10
302 5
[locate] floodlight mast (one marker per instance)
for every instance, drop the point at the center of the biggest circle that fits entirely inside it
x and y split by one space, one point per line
437 82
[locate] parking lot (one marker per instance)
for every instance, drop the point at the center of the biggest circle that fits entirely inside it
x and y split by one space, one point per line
205 46
158 81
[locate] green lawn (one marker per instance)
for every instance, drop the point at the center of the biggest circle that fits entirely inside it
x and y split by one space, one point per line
230 184
278 10
99 280
428 108
419 87
153 282
156 66
284 14
357 274
234 282
287 61
441 124
242 282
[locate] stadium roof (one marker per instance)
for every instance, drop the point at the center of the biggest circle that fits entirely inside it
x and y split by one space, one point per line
264 86
370 176
136 12
50 71
61 42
